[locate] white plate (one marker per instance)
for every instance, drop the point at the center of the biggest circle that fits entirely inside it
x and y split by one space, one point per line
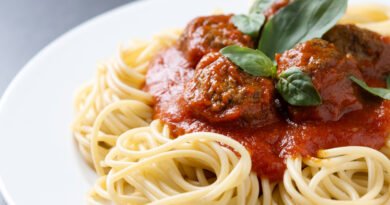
38 162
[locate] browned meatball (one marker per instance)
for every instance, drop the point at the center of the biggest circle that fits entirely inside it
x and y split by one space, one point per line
221 92
209 34
329 70
369 48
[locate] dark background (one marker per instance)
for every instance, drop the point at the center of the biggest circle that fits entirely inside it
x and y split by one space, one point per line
26 26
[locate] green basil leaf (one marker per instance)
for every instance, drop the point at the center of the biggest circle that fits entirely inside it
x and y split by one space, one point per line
297 88
259 6
251 61
249 24
300 21
388 82
380 92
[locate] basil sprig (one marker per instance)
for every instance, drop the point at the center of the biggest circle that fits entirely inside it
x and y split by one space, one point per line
380 92
300 21
249 24
259 6
251 61
297 88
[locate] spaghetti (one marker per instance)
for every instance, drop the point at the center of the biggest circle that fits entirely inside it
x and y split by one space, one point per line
147 166
373 17
119 79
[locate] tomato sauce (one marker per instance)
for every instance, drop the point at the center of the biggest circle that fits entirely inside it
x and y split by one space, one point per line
268 145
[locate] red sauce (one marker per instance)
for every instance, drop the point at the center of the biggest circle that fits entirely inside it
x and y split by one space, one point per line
269 145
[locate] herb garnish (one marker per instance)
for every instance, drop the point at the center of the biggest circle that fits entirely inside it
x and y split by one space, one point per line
249 24
297 88
251 61
300 21
380 92
259 6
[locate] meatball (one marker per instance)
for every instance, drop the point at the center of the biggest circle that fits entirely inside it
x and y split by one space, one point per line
221 92
368 47
209 34
329 70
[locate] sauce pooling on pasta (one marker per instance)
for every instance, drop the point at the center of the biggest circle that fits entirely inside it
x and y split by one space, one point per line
197 89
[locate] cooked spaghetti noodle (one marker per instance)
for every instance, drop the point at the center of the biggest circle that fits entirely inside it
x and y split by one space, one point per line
138 161
147 166
119 79
373 17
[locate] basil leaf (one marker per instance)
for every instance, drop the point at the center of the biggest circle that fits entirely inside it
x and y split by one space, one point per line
259 6
251 61
297 88
380 92
249 24
388 82
300 21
